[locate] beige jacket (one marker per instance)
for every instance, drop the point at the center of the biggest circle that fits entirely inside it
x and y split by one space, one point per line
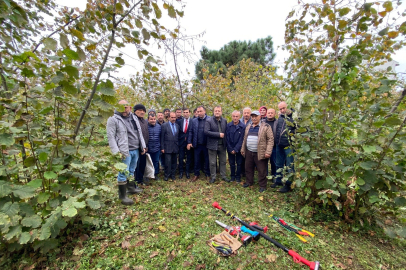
265 140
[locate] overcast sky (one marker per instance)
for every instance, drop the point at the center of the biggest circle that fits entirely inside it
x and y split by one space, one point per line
224 21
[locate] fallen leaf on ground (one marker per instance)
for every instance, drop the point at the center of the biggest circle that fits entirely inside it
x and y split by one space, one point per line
140 243
125 244
154 254
200 266
261 198
271 257
162 228
140 267
84 237
186 264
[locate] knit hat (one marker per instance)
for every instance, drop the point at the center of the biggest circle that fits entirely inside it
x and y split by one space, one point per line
140 107
166 110
151 111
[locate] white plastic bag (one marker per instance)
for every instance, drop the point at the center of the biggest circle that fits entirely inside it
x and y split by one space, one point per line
149 168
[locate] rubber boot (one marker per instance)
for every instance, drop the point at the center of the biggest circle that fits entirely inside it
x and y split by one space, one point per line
132 188
122 194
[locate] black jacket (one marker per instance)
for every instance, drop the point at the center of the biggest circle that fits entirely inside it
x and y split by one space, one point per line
182 135
235 136
169 142
285 126
212 132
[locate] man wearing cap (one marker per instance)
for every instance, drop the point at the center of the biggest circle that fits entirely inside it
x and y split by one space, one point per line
166 114
257 149
125 139
139 111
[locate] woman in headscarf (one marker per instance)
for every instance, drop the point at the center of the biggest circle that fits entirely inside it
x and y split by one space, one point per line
262 111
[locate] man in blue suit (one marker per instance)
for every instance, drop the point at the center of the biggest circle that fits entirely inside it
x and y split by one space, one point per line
198 140
170 145
184 153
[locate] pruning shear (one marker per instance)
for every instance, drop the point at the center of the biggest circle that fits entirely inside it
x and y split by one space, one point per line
225 250
292 228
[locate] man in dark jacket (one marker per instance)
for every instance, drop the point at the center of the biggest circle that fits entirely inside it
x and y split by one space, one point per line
215 130
272 121
234 137
198 140
184 153
139 111
169 145
154 143
284 152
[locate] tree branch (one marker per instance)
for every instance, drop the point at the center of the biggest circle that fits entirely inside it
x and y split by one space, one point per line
126 14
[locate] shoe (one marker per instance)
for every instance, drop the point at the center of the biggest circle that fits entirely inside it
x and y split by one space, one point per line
212 180
285 189
122 195
187 176
166 178
232 179
275 185
173 178
238 180
262 189
142 184
132 188
156 177
181 175
226 179
195 178
246 185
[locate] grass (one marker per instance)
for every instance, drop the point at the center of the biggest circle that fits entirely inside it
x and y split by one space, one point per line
170 222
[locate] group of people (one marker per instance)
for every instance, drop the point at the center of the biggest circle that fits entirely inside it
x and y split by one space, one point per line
199 143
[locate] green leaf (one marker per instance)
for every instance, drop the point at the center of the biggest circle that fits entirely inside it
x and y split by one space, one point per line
180 13
63 40
155 69
71 70
383 31
69 149
50 44
43 197
5 188
10 209
33 221
42 157
367 165
66 189
171 12
50 175
138 23
120 166
145 34
68 88
344 11
35 183
119 8
46 109
140 55
13 232
393 121
369 148
24 238
71 54
6 139
93 204
24 192
400 201
81 53
4 219
70 212
360 181
77 34
120 60
107 88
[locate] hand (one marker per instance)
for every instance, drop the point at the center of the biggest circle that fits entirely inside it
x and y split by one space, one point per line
145 150
189 146
267 156
221 135
233 152
163 151
243 153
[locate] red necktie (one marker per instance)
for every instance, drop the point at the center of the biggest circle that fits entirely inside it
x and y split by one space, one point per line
186 126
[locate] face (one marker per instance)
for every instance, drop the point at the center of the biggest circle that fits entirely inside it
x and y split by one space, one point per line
236 118
195 114
247 114
186 113
217 112
172 117
127 110
152 120
255 119
282 107
160 116
270 114
178 113
166 113
201 112
262 111
140 113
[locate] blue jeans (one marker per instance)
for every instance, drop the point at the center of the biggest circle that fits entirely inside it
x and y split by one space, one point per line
284 156
155 160
131 162
235 165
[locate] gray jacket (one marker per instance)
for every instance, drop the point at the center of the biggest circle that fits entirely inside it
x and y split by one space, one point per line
117 134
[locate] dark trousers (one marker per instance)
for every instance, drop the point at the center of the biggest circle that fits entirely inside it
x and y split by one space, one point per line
243 166
221 153
155 160
284 156
185 154
162 159
139 172
272 162
251 160
170 164
235 165
201 158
